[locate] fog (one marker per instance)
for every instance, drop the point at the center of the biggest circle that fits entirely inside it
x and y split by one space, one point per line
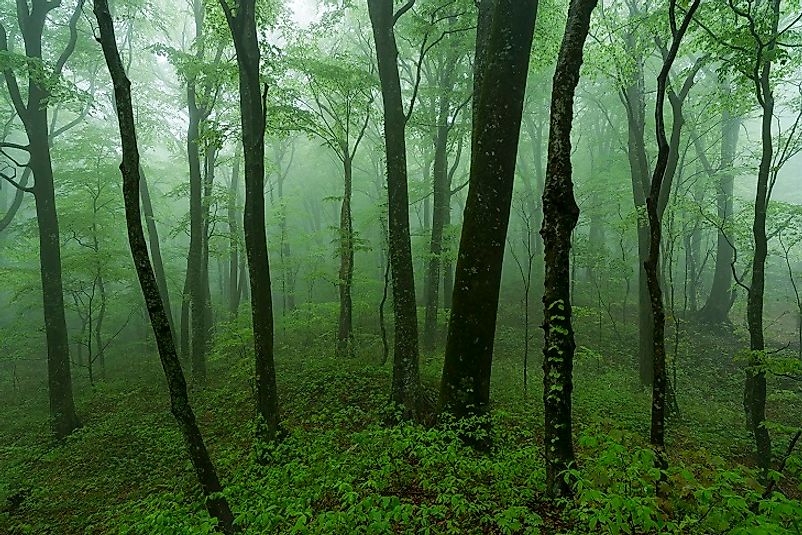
433 266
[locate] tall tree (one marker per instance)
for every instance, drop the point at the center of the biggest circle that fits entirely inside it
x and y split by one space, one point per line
660 182
241 21
34 116
407 392
465 385
560 216
216 503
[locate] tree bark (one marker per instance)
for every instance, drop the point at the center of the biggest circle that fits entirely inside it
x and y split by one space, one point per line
720 299
34 116
407 393
155 247
465 385
560 216
252 115
234 290
216 503
345 336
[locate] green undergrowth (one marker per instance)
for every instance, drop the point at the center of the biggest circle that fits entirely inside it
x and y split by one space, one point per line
340 469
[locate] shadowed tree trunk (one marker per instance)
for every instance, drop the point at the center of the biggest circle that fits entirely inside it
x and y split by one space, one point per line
407 392
242 24
34 116
720 299
155 248
216 503
655 204
345 335
234 290
755 385
560 216
465 385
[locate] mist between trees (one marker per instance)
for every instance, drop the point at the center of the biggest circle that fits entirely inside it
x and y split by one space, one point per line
348 235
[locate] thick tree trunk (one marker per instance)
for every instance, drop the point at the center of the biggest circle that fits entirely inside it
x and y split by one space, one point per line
719 302
195 283
407 392
560 216
252 114
216 503
465 386
345 336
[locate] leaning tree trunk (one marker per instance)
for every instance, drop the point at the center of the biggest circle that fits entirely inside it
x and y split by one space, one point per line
216 503
560 216
252 115
407 392
345 335
465 385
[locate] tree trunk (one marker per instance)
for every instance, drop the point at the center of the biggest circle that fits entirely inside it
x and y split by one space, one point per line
441 195
560 216
345 336
252 115
155 248
216 503
407 392
195 283
755 384
233 241
656 202
465 385
719 301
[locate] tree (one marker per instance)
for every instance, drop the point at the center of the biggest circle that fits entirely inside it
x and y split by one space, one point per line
242 25
560 216
407 392
660 183
34 117
337 111
216 503
465 384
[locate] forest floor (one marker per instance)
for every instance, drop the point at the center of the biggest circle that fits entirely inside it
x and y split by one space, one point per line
341 470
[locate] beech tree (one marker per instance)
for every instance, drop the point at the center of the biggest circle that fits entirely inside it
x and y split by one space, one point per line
560 216
216 503
406 388
241 21
465 383
32 110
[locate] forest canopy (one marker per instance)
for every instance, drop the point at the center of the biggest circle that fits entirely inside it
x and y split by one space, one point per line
419 266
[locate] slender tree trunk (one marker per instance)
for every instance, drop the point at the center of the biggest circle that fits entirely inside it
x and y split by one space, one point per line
252 115
16 203
407 392
465 385
755 385
155 248
441 195
233 241
216 503
560 216
655 204
345 335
